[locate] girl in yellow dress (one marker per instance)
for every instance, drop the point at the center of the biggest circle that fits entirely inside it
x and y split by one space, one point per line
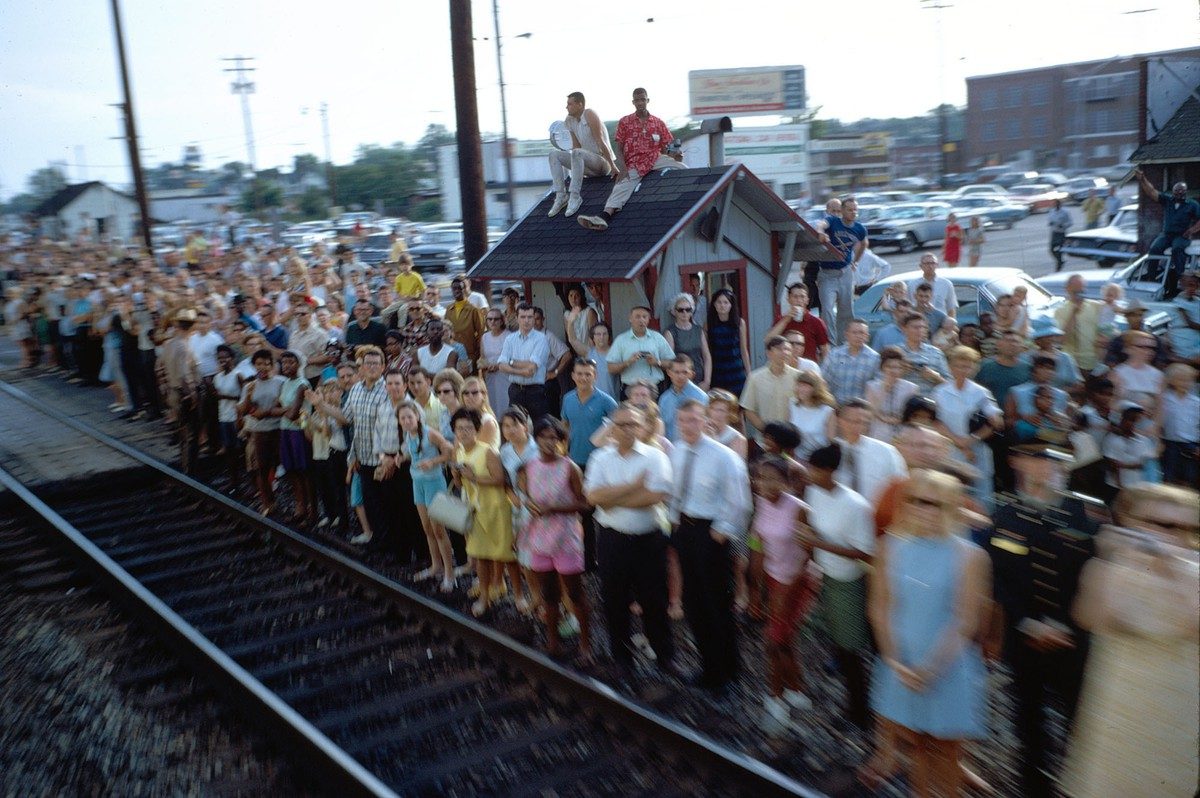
479 472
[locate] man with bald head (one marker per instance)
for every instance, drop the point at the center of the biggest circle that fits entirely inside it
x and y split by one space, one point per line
1079 319
1181 220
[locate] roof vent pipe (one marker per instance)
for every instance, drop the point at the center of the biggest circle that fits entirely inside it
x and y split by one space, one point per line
716 130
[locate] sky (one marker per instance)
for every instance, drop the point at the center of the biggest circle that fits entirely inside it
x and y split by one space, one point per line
383 66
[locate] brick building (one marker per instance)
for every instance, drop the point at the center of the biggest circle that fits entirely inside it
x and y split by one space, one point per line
1080 116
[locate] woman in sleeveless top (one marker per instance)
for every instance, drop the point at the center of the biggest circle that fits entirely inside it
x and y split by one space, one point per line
578 318
727 343
685 336
517 450
595 347
490 344
927 597
553 490
426 452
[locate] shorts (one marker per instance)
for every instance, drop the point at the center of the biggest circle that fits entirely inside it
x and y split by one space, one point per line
293 450
356 499
568 562
228 434
426 488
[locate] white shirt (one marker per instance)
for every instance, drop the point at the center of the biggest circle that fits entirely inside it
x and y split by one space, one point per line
1134 449
432 362
717 486
876 465
1181 417
607 467
956 406
843 518
943 294
478 300
804 364
204 349
227 385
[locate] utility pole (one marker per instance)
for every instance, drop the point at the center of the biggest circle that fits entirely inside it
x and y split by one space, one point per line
508 176
330 177
470 151
936 7
244 87
131 138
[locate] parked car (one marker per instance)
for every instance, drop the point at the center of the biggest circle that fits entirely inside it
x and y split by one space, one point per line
438 251
1116 243
896 196
1053 178
981 189
1077 188
998 210
1012 178
1144 280
911 183
975 289
375 248
1040 197
909 225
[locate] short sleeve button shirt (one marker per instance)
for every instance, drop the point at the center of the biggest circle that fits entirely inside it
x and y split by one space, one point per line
638 141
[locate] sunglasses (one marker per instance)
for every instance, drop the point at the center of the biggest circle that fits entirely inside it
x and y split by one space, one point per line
683 310
472 393
495 318
445 390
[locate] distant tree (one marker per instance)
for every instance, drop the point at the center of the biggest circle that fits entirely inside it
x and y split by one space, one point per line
380 174
20 204
429 210
427 148
306 164
46 182
261 194
313 203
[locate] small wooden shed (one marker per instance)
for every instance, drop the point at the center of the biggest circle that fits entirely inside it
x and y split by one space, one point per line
721 223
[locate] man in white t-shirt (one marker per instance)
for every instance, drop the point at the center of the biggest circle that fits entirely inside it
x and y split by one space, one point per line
590 154
204 342
943 290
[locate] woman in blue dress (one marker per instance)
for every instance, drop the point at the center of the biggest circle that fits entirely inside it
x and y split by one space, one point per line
727 342
928 593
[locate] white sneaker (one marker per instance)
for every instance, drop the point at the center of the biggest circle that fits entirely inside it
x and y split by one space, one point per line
560 202
323 522
360 539
797 700
593 222
573 205
776 714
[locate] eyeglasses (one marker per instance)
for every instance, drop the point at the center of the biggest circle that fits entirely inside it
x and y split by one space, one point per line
472 393
627 424
445 390
495 318
683 310
1144 346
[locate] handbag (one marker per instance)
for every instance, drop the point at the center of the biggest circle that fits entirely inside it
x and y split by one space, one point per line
452 513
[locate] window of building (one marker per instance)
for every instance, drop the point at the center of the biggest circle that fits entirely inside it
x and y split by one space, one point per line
989 99
1102 151
793 190
1039 94
1037 126
991 131
1012 97
1012 128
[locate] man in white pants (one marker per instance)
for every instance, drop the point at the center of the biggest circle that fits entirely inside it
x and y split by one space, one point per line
590 154
642 139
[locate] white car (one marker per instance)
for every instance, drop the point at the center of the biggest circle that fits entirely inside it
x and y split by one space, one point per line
1116 243
985 189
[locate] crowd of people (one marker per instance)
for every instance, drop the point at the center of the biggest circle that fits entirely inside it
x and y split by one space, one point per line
930 502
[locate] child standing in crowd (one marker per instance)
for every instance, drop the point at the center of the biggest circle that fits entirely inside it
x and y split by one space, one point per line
328 442
553 489
426 451
778 520
261 409
229 391
293 446
517 450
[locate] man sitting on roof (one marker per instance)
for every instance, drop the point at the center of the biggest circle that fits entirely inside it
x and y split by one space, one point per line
642 139
590 154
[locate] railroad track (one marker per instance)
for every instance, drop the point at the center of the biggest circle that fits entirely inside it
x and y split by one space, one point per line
377 689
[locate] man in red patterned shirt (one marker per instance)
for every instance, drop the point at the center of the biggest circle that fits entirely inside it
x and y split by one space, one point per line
641 139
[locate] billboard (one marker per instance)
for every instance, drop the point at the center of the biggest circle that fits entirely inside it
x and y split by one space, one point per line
752 91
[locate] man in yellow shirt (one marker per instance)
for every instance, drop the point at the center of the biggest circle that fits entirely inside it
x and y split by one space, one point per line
1092 207
1079 319
409 284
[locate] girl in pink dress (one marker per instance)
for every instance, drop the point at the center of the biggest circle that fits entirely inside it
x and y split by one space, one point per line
552 489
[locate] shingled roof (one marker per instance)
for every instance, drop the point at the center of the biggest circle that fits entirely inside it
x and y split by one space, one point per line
539 247
1179 139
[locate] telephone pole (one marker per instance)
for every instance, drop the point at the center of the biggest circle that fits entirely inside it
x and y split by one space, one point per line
244 87
330 177
470 152
131 137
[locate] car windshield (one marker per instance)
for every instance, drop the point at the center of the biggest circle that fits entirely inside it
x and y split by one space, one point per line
1126 220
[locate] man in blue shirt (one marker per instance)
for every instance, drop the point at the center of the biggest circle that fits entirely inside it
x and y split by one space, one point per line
1181 219
524 358
585 409
835 281
681 372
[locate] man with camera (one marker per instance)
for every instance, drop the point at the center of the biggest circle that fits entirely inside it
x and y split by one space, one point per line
639 353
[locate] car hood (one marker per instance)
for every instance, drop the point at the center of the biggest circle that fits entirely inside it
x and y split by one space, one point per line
433 249
1105 234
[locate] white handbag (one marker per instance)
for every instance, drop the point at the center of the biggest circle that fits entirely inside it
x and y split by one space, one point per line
452 512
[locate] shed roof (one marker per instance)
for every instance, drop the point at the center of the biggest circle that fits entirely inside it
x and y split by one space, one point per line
542 248
65 196
1179 139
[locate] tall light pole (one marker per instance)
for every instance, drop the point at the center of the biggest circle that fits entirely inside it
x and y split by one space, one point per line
936 6
508 176
244 87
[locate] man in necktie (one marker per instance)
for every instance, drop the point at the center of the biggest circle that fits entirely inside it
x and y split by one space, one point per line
710 510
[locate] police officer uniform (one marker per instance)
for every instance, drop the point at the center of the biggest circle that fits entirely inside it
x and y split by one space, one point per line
1037 553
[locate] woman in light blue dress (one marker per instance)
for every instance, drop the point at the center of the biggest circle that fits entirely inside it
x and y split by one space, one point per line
928 594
